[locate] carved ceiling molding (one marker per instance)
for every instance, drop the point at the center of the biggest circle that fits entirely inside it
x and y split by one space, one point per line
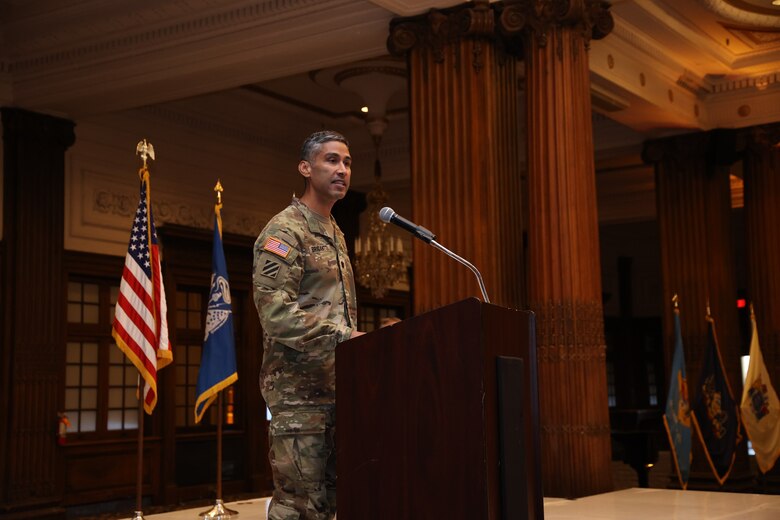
754 36
755 83
254 14
632 42
743 13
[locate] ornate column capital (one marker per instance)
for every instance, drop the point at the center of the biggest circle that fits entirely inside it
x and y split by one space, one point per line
440 27
591 17
764 138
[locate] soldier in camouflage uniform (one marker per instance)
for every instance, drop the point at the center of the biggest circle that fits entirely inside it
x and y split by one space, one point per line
304 291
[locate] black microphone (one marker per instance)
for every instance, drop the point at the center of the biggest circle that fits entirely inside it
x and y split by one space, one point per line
387 214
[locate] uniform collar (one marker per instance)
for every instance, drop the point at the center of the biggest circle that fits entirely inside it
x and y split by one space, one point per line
313 220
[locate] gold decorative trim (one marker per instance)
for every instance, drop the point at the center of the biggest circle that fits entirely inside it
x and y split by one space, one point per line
576 429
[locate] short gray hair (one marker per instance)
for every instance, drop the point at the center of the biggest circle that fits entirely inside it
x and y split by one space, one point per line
312 143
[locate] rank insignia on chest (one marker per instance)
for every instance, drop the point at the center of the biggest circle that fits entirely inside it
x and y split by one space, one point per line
277 247
270 268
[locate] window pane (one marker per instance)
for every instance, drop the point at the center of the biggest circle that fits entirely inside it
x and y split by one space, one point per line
180 417
89 375
71 398
89 353
74 292
91 313
131 399
73 417
193 320
89 398
131 375
91 292
181 374
115 375
181 299
74 313
72 375
115 356
131 419
113 294
193 300
88 421
114 420
73 353
115 398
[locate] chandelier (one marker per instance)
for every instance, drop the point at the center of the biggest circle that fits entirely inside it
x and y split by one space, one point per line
379 257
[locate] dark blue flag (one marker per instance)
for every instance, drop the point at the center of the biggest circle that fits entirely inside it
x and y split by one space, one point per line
218 360
715 412
677 418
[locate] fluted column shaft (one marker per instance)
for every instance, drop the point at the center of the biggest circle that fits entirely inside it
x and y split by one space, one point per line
564 287
762 230
33 306
465 155
697 263
464 163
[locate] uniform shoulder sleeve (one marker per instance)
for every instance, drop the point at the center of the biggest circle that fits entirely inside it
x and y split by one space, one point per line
276 251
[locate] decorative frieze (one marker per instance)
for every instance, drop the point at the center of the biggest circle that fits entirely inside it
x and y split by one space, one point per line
168 211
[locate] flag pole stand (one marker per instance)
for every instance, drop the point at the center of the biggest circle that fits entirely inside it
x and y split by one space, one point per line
219 511
138 514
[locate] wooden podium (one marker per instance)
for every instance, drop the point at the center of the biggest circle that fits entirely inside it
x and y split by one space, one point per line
438 418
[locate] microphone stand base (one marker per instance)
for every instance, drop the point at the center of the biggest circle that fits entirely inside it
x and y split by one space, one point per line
218 512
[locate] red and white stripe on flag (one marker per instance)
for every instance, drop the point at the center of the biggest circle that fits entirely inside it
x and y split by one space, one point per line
140 325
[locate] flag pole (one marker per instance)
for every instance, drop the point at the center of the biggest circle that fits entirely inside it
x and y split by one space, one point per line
145 150
219 511
138 514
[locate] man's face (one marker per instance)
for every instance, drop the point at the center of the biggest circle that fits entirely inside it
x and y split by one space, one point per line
329 171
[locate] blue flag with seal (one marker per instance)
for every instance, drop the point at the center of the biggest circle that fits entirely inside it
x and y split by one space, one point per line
677 419
715 411
218 359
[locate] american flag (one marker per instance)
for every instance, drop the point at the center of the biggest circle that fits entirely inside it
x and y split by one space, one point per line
140 325
275 245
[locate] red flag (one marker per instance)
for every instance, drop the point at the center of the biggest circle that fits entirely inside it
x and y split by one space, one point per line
140 325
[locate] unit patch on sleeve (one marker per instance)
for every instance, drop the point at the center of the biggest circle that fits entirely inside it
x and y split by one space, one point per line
270 268
277 247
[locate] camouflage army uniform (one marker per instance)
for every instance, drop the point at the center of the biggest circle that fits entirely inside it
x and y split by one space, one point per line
305 296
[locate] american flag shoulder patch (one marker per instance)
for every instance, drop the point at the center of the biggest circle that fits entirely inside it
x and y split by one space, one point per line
277 247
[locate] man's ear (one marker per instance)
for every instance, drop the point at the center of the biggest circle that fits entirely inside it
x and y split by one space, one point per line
304 168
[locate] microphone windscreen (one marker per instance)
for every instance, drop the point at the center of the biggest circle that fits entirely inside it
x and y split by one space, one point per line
386 213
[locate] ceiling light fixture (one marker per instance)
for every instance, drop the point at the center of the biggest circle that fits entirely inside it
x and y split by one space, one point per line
364 109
